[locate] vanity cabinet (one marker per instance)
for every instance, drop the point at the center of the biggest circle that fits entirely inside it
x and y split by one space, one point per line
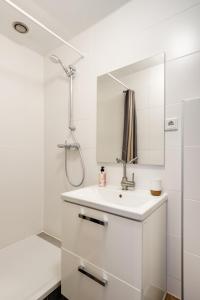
109 257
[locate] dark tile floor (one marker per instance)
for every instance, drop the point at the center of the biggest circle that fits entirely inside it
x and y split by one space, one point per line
56 295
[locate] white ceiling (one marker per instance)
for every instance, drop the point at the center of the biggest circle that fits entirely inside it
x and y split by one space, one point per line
66 18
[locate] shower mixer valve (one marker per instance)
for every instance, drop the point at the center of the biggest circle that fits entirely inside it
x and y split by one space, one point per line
70 72
71 146
72 127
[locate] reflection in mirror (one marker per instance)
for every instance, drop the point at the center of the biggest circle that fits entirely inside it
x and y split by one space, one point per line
130 113
129 145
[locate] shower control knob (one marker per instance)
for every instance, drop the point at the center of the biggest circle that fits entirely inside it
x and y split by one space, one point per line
72 128
61 145
74 146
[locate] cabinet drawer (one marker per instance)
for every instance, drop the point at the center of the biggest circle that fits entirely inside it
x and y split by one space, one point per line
88 285
108 241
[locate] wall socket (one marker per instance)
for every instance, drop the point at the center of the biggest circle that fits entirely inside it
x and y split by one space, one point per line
171 124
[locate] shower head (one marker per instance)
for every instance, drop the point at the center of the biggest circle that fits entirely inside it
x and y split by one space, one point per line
55 59
70 71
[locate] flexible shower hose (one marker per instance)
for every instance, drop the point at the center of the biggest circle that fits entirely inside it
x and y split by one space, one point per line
81 160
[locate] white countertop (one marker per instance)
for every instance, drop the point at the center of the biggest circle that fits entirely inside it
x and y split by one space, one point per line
133 204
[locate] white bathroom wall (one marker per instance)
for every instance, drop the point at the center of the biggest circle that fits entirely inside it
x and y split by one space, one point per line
191 203
136 31
21 142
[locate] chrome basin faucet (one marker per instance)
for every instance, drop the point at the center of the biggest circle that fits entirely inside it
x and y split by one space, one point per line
125 183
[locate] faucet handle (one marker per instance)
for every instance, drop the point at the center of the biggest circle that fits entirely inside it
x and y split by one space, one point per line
118 160
133 160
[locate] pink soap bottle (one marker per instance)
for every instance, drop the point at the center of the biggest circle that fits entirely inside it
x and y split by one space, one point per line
102 177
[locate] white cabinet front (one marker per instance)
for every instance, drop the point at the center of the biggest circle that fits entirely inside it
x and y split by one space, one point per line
110 242
84 281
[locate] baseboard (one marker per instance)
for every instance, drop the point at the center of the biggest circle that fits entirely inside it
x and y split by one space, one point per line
50 239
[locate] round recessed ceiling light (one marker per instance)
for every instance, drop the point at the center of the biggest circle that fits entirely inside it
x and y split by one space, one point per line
20 27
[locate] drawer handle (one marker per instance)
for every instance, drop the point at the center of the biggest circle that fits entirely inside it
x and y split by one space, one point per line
100 222
101 281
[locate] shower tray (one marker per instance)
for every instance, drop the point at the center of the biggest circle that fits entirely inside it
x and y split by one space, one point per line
30 269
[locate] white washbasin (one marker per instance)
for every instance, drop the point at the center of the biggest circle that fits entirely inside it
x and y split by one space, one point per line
135 204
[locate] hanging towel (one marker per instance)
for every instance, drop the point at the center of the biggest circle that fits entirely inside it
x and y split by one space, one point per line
129 147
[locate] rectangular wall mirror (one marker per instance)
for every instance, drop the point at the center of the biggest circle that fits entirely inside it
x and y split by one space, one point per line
130 113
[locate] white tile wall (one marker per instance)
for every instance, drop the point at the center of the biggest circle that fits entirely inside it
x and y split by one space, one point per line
174 216
183 80
174 286
191 200
172 174
136 31
192 172
21 142
174 257
191 223
192 275
191 129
